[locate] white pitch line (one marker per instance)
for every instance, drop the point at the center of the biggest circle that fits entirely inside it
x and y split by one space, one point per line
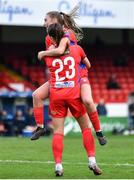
26 161
52 162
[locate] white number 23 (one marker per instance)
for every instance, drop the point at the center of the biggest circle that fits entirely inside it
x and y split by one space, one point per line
62 63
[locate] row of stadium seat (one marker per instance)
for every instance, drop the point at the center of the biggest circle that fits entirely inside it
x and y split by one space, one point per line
102 68
7 77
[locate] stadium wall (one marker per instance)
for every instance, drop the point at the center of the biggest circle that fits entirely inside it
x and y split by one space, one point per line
16 34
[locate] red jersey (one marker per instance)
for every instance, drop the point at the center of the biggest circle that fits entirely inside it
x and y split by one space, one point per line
64 74
68 33
71 35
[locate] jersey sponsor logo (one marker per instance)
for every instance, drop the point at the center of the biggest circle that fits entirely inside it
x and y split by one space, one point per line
65 84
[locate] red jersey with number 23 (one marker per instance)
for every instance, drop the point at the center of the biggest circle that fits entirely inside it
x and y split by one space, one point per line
64 74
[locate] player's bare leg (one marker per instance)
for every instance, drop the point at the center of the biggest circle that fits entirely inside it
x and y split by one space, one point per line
87 99
39 95
88 142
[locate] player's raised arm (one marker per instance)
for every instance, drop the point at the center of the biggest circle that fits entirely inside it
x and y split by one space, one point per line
86 62
84 58
59 50
62 44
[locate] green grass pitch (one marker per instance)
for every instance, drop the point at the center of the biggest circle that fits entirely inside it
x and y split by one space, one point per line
21 158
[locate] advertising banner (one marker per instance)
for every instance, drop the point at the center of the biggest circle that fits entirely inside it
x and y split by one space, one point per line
107 124
92 13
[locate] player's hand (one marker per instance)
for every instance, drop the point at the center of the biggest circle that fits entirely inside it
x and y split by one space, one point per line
41 54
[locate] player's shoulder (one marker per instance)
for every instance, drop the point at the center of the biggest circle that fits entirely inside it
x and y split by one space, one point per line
74 48
47 36
77 48
48 39
48 60
71 34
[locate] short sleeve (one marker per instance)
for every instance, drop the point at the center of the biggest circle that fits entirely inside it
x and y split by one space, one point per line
82 53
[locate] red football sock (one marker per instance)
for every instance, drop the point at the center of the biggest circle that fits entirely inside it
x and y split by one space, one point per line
88 141
95 120
57 147
39 115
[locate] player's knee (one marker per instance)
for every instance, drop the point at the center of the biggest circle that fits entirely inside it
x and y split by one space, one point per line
58 130
87 102
35 95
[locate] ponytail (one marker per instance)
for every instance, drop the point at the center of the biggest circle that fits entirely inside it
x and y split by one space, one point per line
68 21
71 24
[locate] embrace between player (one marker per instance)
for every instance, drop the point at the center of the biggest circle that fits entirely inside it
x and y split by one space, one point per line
64 94
69 82
73 33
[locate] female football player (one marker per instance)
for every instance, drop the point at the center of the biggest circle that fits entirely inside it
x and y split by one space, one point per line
65 93
74 34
